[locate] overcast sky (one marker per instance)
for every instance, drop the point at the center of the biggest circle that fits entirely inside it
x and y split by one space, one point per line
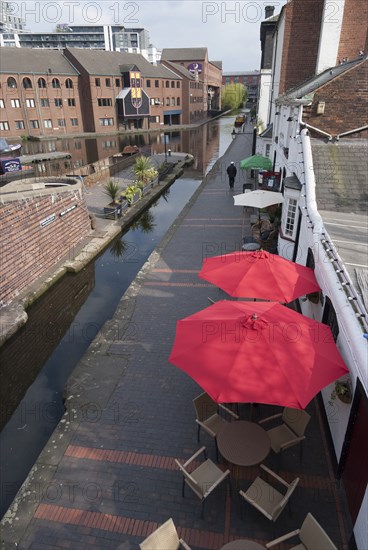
230 30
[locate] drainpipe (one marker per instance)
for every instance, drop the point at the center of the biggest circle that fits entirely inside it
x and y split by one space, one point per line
361 129
322 132
310 185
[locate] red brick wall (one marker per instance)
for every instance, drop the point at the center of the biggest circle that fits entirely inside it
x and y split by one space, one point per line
301 40
354 32
342 114
29 249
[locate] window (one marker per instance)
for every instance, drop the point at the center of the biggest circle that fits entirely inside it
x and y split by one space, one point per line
173 101
27 83
30 103
167 101
15 103
68 83
172 84
178 100
108 144
148 83
58 102
77 145
2 104
152 101
290 217
117 82
155 119
106 121
167 84
47 123
104 102
178 84
97 82
55 83
157 83
71 102
11 82
74 121
19 124
44 103
329 318
41 83
61 122
108 82
34 124
4 125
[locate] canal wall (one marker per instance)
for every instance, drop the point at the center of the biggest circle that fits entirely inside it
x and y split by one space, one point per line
40 224
51 259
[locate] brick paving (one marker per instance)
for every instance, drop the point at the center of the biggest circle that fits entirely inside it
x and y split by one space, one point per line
115 479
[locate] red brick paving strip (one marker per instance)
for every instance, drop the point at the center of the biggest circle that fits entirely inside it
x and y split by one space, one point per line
124 525
167 463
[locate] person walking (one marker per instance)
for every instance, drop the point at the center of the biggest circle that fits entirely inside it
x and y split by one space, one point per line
231 172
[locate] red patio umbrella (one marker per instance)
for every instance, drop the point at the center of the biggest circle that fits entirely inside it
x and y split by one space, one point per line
259 274
258 352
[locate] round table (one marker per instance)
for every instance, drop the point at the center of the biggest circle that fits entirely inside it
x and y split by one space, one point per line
243 443
251 246
243 544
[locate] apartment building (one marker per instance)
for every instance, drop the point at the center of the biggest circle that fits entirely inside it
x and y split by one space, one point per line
249 79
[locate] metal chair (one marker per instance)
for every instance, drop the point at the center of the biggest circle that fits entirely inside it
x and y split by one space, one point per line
208 417
311 536
265 498
204 479
290 432
164 538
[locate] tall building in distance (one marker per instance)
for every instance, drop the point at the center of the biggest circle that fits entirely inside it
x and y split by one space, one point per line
9 21
250 79
96 37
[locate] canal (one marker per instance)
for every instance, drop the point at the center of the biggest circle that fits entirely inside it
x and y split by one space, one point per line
37 361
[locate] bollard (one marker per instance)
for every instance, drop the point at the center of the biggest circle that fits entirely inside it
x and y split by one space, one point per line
169 152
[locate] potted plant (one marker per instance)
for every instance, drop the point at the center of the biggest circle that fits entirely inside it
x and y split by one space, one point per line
132 193
114 208
144 172
342 391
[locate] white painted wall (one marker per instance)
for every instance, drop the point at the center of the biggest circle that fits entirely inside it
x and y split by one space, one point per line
264 98
331 24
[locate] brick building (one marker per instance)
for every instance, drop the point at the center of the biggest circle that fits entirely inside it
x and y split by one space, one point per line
209 73
40 93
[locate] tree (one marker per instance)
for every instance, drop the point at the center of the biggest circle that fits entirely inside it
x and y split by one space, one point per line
233 96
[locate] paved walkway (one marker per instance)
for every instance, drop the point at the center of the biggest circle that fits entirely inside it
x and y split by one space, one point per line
107 478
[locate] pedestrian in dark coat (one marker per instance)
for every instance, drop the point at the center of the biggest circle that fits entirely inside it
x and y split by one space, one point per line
231 172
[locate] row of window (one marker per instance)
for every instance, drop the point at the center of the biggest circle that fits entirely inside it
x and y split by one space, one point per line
173 101
166 84
44 102
34 124
107 82
41 82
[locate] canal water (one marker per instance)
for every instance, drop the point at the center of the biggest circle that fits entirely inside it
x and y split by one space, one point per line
38 360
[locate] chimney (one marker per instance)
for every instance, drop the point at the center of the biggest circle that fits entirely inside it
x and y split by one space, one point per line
269 11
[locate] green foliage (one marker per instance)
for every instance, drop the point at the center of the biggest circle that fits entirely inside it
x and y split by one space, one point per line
130 191
112 190
233 96
144 171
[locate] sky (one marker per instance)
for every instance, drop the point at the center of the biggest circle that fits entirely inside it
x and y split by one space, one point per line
229 29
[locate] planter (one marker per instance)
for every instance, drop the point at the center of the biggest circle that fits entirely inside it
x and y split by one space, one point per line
115 210
345 398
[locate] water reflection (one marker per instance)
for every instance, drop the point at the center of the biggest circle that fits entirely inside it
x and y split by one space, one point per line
202 142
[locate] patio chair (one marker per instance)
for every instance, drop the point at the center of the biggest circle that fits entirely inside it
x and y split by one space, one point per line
265 498
311 536
208 417
203 479
290 432
164 538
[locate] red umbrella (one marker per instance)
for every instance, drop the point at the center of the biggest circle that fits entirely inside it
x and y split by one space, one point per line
259 274
258 352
